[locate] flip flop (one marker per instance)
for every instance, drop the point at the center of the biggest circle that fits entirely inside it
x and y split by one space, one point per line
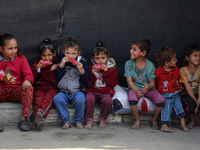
24 126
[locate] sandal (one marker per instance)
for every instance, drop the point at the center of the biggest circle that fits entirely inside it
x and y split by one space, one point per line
40 123
24 126
39 115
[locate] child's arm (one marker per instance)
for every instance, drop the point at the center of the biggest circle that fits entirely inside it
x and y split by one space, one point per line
60 70
34 69
133 87
190 92
26 70
199 94
84 70
110 77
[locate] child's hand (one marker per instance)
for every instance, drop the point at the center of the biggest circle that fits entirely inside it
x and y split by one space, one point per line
79 65
26 85
94 69
53 67
145 89
198 101
196 110
139 94
104 67
39 65
64 60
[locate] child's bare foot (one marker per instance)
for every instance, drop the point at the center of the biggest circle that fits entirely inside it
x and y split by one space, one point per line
190 125
88 126
165 128
185 129
136 125
65 126
102 125
79 125
154 125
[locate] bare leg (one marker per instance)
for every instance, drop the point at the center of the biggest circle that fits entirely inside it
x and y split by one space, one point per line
102 125
65 126
79 125
182 120
24 117
135 113
191 123
165 128
156 114
88 126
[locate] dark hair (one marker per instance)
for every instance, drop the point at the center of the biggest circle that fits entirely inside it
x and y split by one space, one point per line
44 45
100 48
143 44
7 36
188 51
165 55
72 43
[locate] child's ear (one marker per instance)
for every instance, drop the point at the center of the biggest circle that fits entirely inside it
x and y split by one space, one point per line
54 54
63 51
144 53
187 57
1 49
79 53
166 63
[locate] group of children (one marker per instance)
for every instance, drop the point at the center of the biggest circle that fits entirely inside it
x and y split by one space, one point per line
71 80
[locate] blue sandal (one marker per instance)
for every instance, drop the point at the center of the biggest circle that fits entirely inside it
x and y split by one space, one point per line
24 126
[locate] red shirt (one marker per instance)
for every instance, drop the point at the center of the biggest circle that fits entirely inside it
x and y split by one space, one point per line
167 81
109 77
16 71
46 78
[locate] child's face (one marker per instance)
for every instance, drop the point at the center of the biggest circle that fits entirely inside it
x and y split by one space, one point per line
194 58
71 52
9 50
47 55
135 52
173 61
101 58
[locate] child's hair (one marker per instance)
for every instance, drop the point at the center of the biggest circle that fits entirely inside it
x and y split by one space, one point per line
143 44
72 43
7 36
188 51
100 48
46 44
165 55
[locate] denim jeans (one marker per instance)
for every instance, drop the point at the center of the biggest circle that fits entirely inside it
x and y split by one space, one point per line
171 100
77 99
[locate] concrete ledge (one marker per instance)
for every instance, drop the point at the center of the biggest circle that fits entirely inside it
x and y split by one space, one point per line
10 114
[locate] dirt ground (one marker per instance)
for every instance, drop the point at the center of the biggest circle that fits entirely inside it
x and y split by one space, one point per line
114 137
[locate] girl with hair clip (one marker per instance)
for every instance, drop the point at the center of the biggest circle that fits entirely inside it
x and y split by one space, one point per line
103 77
16 81
45 83
190 77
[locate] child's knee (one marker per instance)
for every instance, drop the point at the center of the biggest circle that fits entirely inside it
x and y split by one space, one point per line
133 102
160 104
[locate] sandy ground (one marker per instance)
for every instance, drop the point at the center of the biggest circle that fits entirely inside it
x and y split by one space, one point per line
115 136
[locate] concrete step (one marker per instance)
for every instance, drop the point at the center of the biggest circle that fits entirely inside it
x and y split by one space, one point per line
10 114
